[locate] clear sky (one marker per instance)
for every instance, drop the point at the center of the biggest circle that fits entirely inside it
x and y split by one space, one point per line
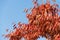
12 11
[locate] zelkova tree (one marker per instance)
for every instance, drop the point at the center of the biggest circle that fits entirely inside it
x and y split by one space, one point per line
43 20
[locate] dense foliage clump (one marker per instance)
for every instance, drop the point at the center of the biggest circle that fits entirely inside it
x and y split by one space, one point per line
43 20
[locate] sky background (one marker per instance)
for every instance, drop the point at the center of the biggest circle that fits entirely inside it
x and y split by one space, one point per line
12 11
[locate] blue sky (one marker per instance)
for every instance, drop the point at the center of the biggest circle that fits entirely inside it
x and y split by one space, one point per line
12 11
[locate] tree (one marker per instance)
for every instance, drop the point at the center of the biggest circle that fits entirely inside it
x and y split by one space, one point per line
43 21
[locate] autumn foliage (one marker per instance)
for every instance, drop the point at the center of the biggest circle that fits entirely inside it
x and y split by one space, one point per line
43 20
